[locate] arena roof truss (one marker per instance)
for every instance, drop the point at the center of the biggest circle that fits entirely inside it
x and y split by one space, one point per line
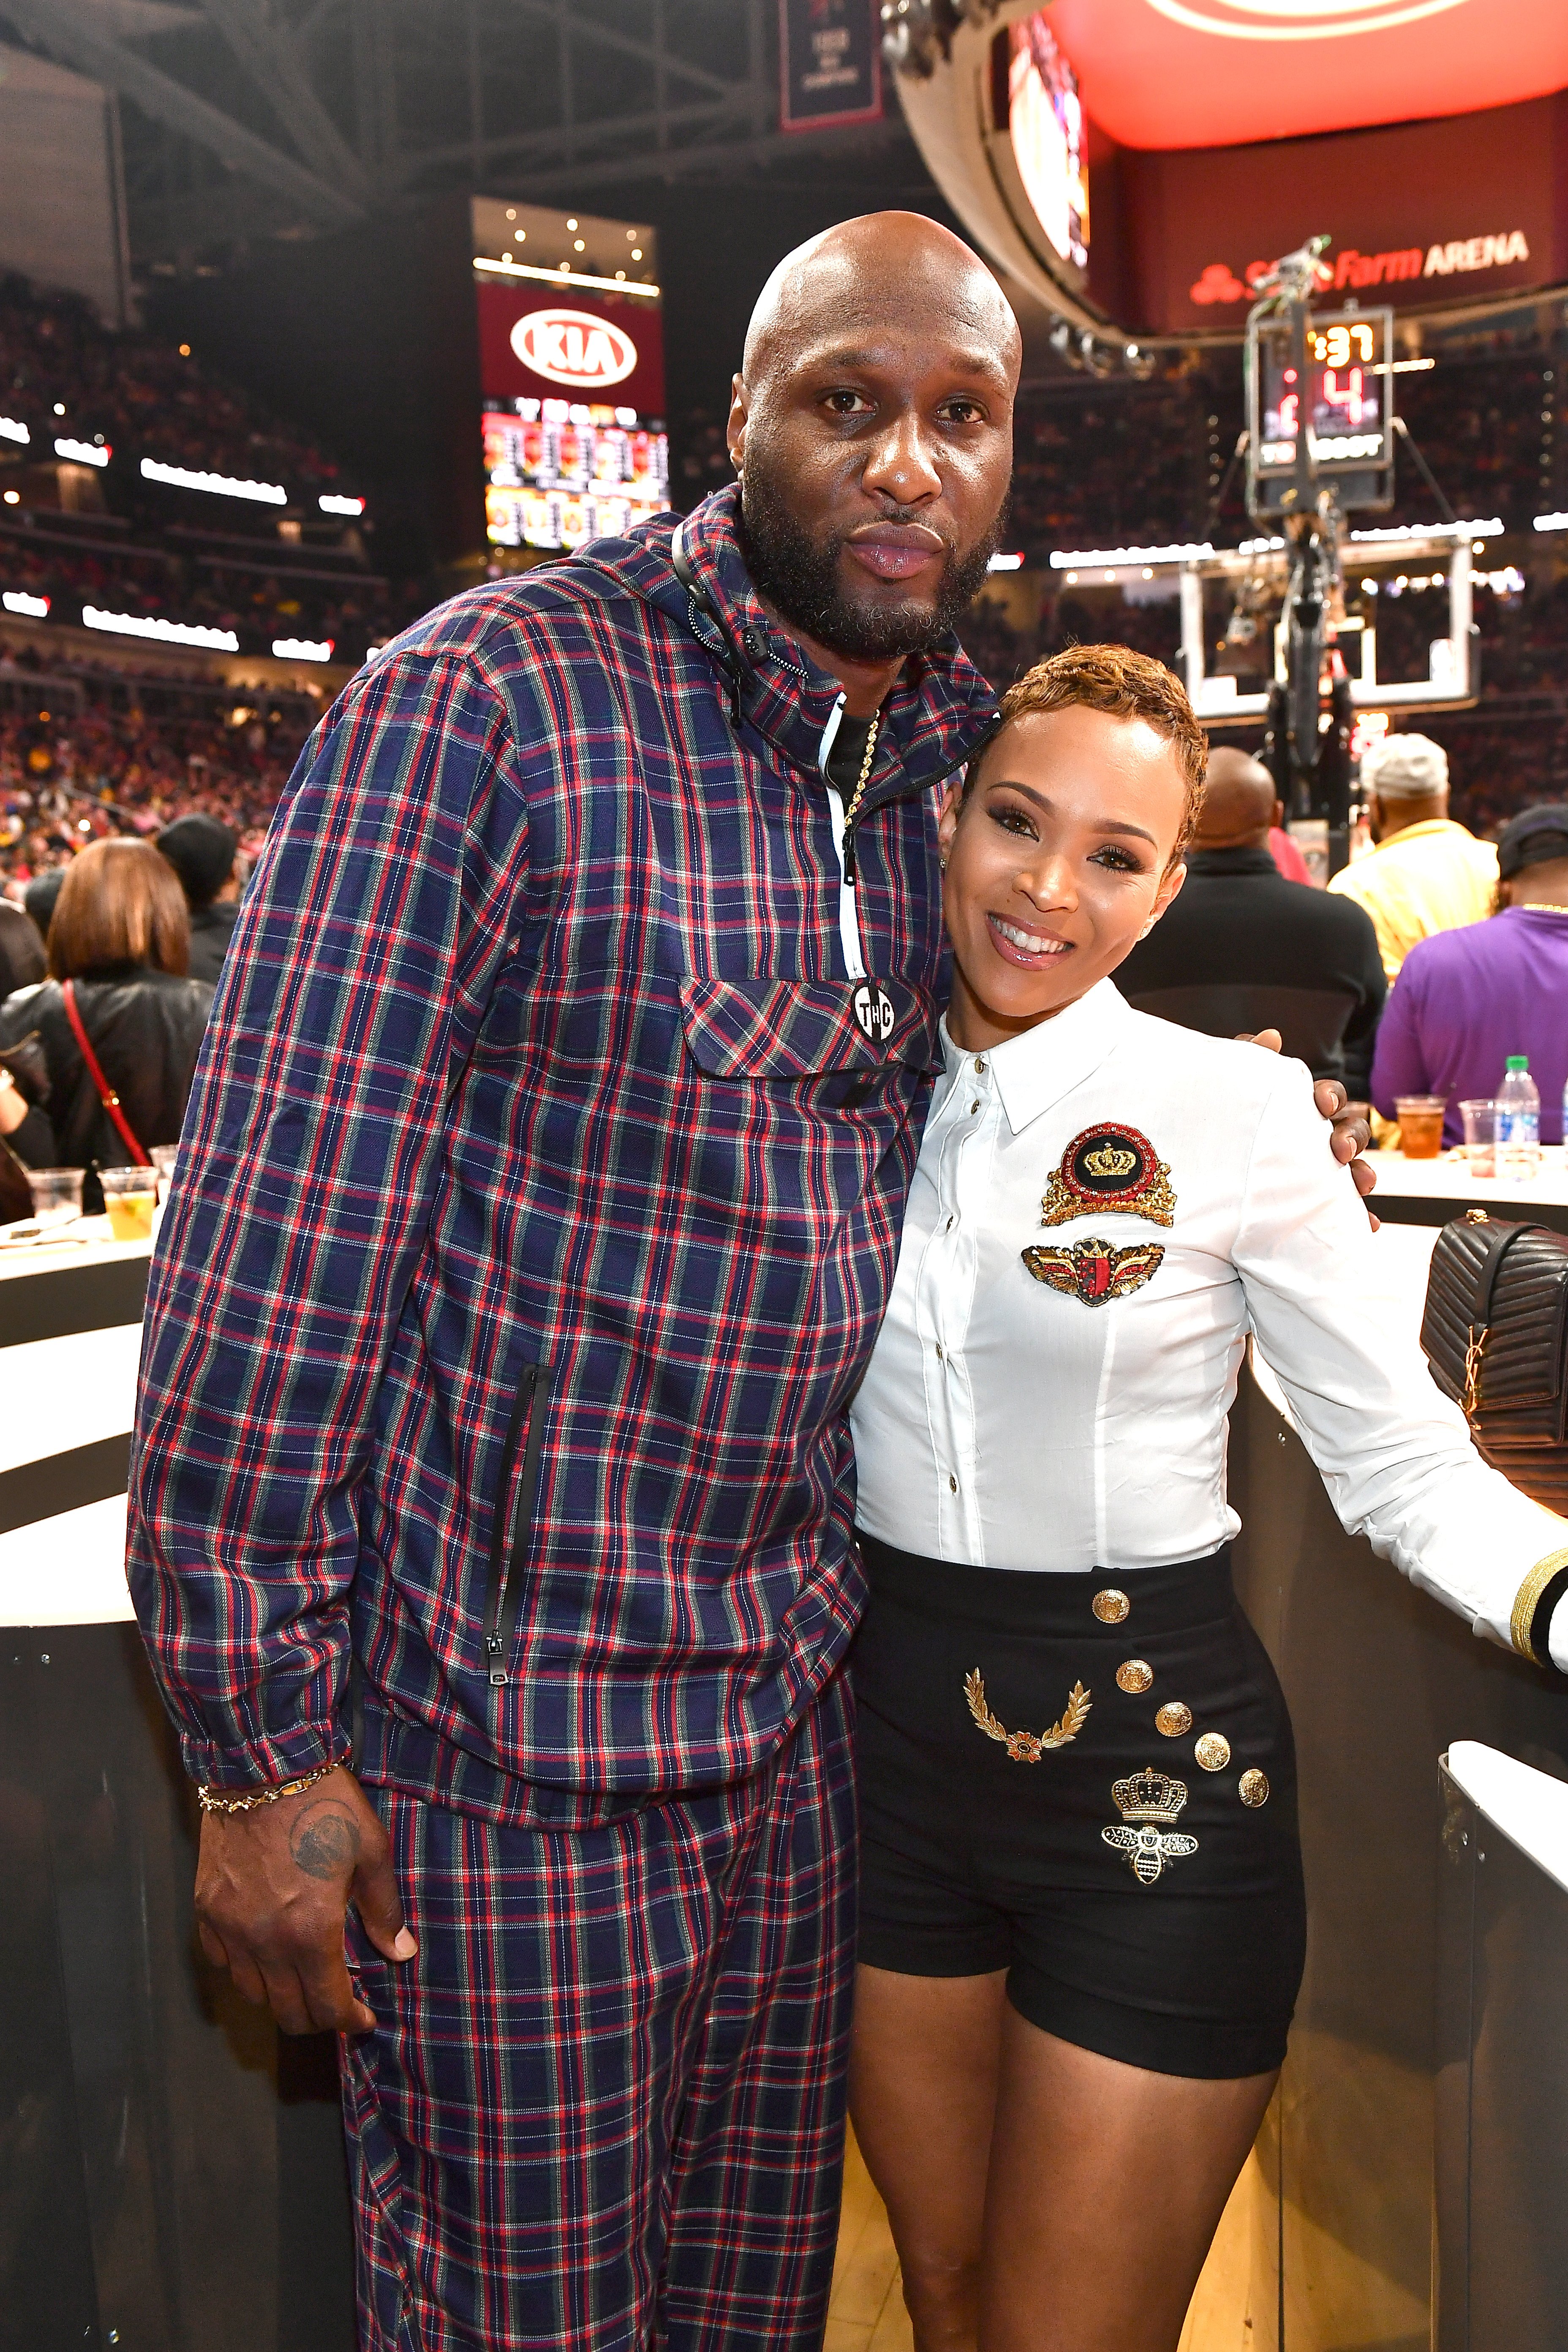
251 118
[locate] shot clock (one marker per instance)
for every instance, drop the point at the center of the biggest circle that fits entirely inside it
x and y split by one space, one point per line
1321 402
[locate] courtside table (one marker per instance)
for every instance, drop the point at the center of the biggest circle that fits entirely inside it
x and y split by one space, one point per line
172 2174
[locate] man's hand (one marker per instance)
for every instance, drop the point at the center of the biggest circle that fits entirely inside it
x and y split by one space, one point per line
273 1888
1351 1122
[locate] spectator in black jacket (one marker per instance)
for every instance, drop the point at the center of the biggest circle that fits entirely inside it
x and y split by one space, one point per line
21 949
1241 948
201 852
120 939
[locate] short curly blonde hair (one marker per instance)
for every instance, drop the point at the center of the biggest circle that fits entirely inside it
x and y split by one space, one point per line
1125 685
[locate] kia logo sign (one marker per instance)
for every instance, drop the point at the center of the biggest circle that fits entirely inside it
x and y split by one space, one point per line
572 347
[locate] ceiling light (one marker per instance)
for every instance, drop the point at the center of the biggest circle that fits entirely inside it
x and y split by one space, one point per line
571 223
12 497
520 237
168 633
1307 15
185 350
631 236
59 408
578 246
636 253
229 486
511 212
620 273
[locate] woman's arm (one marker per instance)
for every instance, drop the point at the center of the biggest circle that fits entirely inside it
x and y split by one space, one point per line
1394 1454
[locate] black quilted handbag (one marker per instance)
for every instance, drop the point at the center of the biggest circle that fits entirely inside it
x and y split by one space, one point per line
1495 1333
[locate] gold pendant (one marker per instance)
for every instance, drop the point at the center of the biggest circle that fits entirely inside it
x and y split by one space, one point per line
1028 1747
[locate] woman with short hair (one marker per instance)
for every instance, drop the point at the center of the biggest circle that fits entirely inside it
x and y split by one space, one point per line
118 942
1081 1908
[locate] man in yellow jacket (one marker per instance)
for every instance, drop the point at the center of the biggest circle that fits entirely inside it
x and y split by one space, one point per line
1428 873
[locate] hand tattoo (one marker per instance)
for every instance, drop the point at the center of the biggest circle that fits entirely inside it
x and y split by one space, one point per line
324 1841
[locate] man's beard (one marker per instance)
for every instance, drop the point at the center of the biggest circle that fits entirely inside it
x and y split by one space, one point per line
798 576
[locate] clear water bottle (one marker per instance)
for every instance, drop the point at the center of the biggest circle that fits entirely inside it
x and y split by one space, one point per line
1518 1123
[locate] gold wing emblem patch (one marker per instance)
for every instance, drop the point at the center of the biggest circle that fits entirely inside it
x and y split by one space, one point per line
1026 1747
1092 1271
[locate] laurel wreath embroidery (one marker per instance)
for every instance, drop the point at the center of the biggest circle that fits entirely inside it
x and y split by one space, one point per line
1028 1747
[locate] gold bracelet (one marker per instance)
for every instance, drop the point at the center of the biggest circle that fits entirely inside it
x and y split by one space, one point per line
1527 1600
218 1801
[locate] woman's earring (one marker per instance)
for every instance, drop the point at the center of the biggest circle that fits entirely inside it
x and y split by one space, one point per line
941 861
1147 929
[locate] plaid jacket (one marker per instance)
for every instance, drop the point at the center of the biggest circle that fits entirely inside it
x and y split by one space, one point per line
539 1200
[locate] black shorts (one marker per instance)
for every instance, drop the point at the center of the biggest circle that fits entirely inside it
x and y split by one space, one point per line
1130 1855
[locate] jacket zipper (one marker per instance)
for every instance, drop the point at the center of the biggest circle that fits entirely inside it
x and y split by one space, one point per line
509 1534
848 912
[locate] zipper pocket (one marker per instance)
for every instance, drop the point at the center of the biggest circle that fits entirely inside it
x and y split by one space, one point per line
508 1540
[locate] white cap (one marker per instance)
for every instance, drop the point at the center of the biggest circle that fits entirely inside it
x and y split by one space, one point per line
1405 768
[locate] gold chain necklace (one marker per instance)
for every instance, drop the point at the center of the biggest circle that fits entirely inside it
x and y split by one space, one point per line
855 799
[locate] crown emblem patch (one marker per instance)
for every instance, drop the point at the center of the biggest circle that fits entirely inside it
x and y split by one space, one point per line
1113 1168
1092 1271
1146 1799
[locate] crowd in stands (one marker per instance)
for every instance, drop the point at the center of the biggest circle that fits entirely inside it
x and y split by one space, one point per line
68 777
132 547
135 389
165 582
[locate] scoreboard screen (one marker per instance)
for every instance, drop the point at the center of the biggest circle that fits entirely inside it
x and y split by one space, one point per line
1340 398
1046 123
559 472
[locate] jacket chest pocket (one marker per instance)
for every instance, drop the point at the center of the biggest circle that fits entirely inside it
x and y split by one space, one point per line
790 1030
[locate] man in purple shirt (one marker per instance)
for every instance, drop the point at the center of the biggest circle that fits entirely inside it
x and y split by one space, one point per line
1465 1000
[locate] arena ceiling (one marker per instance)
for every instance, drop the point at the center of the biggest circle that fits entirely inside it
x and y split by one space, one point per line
1216 73
249 119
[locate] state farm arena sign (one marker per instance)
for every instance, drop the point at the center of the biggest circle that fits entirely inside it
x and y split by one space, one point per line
1423 216
1462 257
579 347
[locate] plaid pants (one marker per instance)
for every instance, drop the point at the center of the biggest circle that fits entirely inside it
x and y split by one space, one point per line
603 2108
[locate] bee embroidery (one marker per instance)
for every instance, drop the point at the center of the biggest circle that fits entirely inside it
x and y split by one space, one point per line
1092 1271
1152 1802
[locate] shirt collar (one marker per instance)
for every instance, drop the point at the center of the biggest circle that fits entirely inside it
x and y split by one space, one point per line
1427 827
934 715
1035 1071
1231 861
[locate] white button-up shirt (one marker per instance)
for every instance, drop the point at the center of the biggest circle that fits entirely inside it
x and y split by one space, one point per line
1005 1421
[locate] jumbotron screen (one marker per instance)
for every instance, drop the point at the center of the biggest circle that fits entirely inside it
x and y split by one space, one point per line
559 472
1343 398
1045 123
571 367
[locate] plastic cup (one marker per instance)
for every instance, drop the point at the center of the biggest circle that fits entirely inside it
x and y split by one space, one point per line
163 1156
130 1195
1480 1137
1420 1125
57 1195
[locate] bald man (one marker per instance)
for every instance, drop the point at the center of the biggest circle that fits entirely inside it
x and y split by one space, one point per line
539 1201
1243 949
